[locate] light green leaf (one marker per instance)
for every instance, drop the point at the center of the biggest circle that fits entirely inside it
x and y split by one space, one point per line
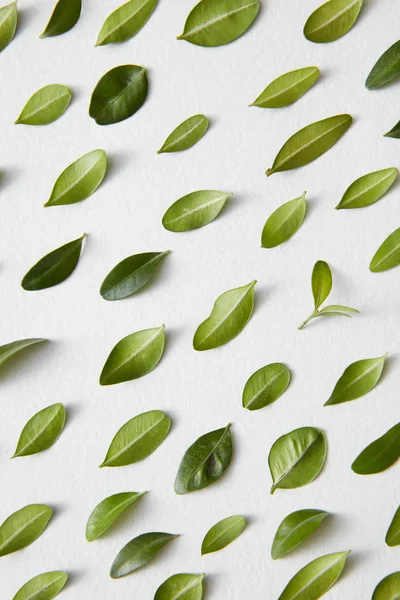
7 351
108 511
186 135
284 222
394 132
194 210
368 189
265 386
41 431
125 22
332 20
23 527
388 588
138 552
380 455
385 69
321 282
388 254
222 534
184 586
393 535
43 587
46 105
287 88
337 310
65 15
295 529
8 24
357 380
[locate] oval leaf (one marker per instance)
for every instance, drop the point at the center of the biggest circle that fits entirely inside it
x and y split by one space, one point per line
46 105
23 527
80 179
125 22
393 535
223 533
332 20
265 386
296 458
118 94
287 88
186 135
7 351
368 189
8 24
394 132
41 431
184 586
229 316
108 511
379 455
388 254
65 15
357 380
310 143
284 222
138 552
219 22
42 587
204 461
388 588
385 69
295 529
137 439
194 210
321 282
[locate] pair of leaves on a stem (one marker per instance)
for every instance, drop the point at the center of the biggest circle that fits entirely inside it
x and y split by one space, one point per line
332 20
380 455
41 431
44 587
23 527
388 588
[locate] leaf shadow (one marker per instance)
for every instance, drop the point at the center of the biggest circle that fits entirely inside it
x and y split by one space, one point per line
71 411
353 562
24 17
261 292
7 177
74 576
389 366
171 335
116 162
209 585
367 7
27 356
130 517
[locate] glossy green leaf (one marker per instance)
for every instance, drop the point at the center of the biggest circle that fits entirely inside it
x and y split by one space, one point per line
23 527
357 380
219 22
310 143
118 94
222 534
8 24
41 431
131 275
186 135
138 552
134 356
125 22
316 578
394 132
53 268
296 458
46 105
108 511
368 189
80 179
388 254
137 439
42 587
332 20
284 222
380 455
204 461
7 351
194 210
393 535
265 386
388 588
385 69
295 529
65 15
185 586
287 88
229 316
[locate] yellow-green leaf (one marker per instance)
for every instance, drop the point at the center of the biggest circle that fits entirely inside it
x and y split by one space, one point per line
41 431
368 189
125 22
332 20
222 534
8 23
284 222
194 210
46 105
287 88
186 135
388 254
388 588
43 587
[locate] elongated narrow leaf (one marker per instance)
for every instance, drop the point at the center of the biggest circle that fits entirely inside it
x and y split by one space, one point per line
337 309
379 455
284 222
295 529
46 105
223 533
332 20
385 69
315 579
393 535
134 356
229 316
65 15
80 179
265 386
108 511
137 439
287 88
186 135
388 588
204 461
357 380
53 268
138 552
8 24
125 21
118 94
194 210
219 22
388 254
394 132
43 587
296 458
23 527
310 143
9 350
368 189
185 586
131 275
321 282
41 431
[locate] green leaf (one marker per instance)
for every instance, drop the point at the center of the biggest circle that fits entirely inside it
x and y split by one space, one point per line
131 275
287 88
108 511
229 316
316 578
65 15
8 24
385 69
222 534
186 135
23 527
380 455
284 222
265 386
204 461
332 20
125 21
368 189
388 588
295 529
310 143
80 179
138 552
337 309
296 458
134 356
7 351
46 105
393 535
194 210
357 380
137 439
53 268
118 94
219 22
394 132
321 282
41 431
43 587
184 586
388 254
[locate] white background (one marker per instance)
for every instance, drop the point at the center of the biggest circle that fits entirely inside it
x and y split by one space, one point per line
200 391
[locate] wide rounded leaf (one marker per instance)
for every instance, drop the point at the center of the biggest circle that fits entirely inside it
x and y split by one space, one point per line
8 351
388 254
385 69
186 135
288 88
65 15
23 527
321 282
194 210
393 534
46 105
108 511
284 222
223 533
368 189
125 21
332 20
388 588
41 431
42 587
185 586
380 455
357 380
295 529
8 24
265 386
138 552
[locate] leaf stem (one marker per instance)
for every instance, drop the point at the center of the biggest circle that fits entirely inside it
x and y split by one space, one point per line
304 323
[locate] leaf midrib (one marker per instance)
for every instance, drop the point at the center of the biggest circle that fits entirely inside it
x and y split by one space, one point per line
384 450
123 22
78 180
10 10
55 266
212 22
183 136
367 189
318 576
293 465
217 537
190 587
395 249
32 441
136 271
135 441
289 215
199 208
296 528
45 105
264 387
289 87
374 367
44 588
138 351
117 97
335 17
21 529
214 449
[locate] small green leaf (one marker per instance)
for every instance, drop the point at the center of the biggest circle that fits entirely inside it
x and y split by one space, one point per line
184 586
321 282
138 552
337 309
43 587
46 105
368 189
357 380
388 588
295 529
265 386
287 88
125 21
65 15
108 511
394 132
23 527
41 431
388 254
385 69
8 24
222 534
186 135
194 210
284 222
7 351
380 455
393 535
296 458
332 20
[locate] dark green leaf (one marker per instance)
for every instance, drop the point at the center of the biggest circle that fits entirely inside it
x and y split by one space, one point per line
9 350
388 588
184 586
138 552
380 455
394 132
194 210
186 135
8 24
284 222
125 21
368 189
287 88
65 15
223 533
385 69
265 386
393 535
108 511
388 254
46 105
295 529
41 431
357 380
23 527
43 587
332 20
